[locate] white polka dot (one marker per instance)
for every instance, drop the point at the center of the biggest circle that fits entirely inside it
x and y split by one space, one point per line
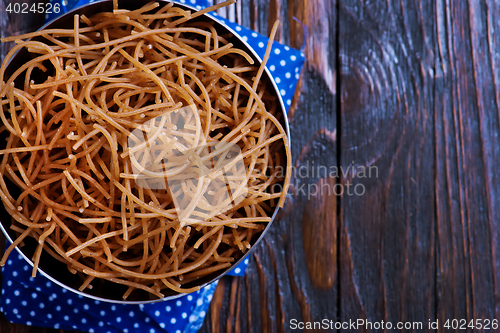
32 313
84 321
209 297
118 319
178 331
173 320
184 315
147 319
238 28
32 279
70 301
272 68
80 296
49 315
66 318
97 302
287 48
136 325
101 324
198 7
178 303
261 45
245 38
17 292
26 267
183 1
131 314
56 326
157 313
246 261
237 270
75 310
125 330
283 92
168 308
190 298
29 323
64 291
113 307
152 330
86 307
293 58
199 302
288 102
9 262
277 51
254 34
278 80
202 313
58 308
14 273
297 76
162 325
288 75
54 296
282 62
9 283
15 311
91 330
7 301
102 313
192 318
193 1
24 303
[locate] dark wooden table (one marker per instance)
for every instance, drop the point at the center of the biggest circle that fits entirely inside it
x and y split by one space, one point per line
409 90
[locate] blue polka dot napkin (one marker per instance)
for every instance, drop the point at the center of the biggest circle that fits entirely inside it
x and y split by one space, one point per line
39 302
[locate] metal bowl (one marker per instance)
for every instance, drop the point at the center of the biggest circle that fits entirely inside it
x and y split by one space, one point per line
56 271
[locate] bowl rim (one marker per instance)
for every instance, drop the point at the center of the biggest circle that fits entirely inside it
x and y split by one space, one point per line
254 54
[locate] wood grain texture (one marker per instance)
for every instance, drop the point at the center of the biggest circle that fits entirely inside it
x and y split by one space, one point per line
467 156
403 97
387 241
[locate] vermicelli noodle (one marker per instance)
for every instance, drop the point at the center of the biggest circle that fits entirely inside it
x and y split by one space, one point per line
94 163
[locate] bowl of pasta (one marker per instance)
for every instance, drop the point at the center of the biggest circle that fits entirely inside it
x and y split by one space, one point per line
146 150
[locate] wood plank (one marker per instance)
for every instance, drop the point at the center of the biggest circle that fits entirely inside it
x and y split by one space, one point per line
293 272
467 156
387 239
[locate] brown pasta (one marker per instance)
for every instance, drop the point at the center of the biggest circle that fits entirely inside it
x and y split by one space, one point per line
69 127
